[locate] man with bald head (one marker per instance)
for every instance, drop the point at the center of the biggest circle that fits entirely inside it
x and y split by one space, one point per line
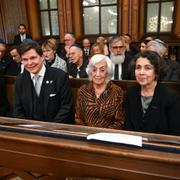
171 68
77 67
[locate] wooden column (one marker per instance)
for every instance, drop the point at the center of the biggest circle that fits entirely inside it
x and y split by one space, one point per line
65 18
176 19
134 19
141 18
130 18
61 20
77 18
125 17
34 21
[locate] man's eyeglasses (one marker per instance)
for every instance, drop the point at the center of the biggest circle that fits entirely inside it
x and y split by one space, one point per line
117 47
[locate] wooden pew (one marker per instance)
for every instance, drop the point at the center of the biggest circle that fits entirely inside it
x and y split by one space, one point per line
33 149
76 83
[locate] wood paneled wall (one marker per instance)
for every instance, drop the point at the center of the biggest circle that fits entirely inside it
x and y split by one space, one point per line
131 18
176 18
10 17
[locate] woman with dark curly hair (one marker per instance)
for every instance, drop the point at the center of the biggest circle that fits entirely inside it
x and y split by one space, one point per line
151 106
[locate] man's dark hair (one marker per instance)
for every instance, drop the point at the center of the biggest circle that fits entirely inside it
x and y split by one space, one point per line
13 47
24 47
22 25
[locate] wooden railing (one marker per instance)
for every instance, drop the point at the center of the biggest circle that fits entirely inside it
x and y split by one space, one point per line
41 150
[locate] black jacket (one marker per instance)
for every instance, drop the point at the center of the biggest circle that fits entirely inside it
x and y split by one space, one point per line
57 96
172 70
4 105
163 113
73 70
17 39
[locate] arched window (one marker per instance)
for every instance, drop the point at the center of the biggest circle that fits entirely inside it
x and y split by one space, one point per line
49 17
100 17
159 16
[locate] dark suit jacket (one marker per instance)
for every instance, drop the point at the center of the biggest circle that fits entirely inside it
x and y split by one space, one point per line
72 69
162 115
4 106
17 39
8 66
57 105
172 71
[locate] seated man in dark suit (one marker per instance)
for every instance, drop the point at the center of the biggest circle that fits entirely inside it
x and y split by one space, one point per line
41 92
77 66
17 59
19 38
7 65
86 46
4 106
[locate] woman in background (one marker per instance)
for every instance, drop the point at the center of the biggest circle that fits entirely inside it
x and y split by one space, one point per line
103 42
96 49
100 103
49 48
143 46
150 106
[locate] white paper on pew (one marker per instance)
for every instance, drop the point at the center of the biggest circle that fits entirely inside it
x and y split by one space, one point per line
117 138
30 125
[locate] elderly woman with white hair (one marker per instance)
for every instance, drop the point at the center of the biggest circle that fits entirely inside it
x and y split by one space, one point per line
100 103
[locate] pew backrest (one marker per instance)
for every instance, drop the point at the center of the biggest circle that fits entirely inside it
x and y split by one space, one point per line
77 83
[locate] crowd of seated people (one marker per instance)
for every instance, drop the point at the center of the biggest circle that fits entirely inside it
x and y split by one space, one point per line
45 70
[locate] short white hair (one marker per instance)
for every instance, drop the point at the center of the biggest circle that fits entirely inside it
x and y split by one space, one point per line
159 46
96 59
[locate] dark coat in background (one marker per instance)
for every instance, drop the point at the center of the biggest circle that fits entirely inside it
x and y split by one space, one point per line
172 70
73 70
8 66
4 105
17 39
